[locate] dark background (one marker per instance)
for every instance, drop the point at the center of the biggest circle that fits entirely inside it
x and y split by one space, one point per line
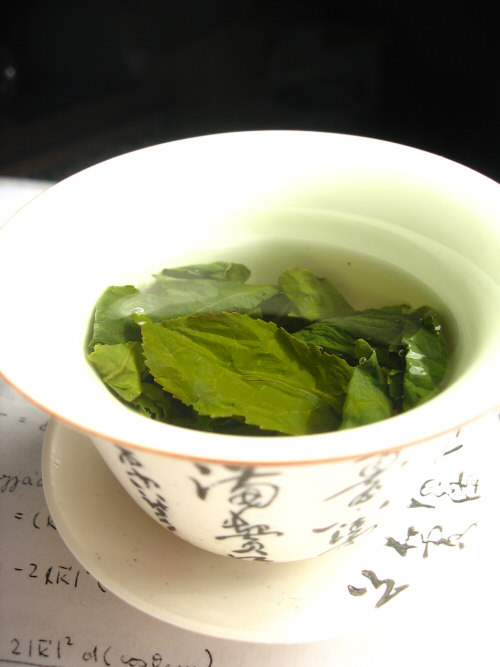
83 81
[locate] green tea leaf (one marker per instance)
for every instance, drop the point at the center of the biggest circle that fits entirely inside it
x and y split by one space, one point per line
330 337
426 358
158 404
120 366
367 397
313 298
375 325
179 297
382 328
230 365
112 321
300 360
278 309
153 402
231 271
395 385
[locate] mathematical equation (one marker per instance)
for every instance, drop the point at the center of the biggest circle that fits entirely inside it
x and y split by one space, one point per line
29 650
10 483
38 520
56 575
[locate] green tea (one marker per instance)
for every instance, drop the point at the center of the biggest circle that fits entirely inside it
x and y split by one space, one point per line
213 346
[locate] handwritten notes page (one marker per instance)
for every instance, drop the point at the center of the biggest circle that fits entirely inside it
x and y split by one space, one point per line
426 592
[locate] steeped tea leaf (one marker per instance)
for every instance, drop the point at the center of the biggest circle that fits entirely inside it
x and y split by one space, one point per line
114 320
156 403
331 337
112 323
201 348
175 297
367 398
426 358
120 366
216 270
313 298
339 334
231 365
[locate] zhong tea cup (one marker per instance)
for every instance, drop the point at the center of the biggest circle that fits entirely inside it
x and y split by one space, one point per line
389 223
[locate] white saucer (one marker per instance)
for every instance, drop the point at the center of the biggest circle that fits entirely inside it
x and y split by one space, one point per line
160 574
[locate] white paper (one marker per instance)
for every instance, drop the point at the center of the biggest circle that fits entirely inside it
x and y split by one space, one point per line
438 561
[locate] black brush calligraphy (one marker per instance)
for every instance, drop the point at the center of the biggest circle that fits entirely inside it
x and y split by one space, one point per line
424 540
248 490
390 591
433 491
148 489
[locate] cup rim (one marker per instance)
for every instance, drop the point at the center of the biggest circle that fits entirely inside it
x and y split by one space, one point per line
380 433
